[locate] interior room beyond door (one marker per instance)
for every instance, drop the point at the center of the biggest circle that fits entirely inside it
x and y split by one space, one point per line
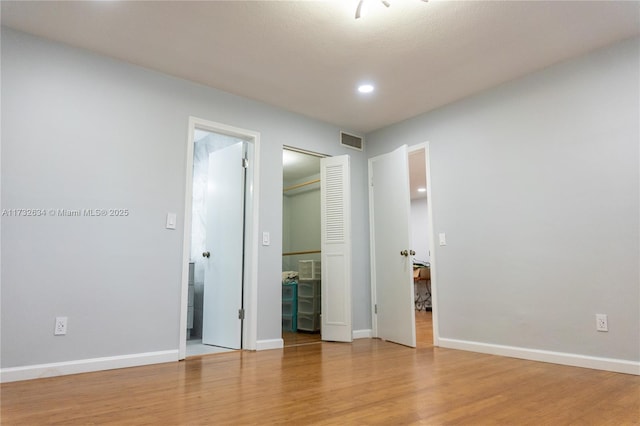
301 247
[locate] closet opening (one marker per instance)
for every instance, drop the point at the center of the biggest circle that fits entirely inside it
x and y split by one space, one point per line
301 268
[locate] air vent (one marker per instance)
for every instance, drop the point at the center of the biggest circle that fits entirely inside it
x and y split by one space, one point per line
352 141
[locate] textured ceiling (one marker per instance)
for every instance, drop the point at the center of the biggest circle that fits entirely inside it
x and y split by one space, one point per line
309 56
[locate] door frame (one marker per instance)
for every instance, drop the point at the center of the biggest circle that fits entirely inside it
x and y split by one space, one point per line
250 293
432 252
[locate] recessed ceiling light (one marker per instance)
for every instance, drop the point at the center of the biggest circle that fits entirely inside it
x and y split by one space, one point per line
422 189
365 88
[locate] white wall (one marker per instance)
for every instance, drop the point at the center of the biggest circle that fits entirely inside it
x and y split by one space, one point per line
302 225
84 131
420 229
536 185
287 265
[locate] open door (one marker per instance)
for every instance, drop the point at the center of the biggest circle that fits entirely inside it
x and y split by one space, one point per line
335 241
391 254
223 278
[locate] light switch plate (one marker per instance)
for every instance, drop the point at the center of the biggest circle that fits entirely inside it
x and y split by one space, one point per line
442 239
265 239
171 221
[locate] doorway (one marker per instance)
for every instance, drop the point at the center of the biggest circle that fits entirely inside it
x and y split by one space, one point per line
319 292
400 201
301 257
219 278
420 243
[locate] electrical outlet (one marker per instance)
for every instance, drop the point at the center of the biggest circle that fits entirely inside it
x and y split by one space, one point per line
60 328
601 322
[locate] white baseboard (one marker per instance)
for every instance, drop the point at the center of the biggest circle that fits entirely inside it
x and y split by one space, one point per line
38 371
575 360
263 345
362 334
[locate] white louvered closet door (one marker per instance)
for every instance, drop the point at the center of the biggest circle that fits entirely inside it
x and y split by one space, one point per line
335 198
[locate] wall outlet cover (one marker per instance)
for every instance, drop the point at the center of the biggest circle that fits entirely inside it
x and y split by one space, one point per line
60 328
602 324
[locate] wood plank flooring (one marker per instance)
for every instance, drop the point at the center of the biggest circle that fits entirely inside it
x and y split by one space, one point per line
366 382
291 338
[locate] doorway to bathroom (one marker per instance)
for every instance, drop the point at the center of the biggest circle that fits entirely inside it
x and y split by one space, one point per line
220 239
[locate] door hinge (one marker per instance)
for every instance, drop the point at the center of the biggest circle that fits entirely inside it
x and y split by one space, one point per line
241 314
375 308
245 163
371 181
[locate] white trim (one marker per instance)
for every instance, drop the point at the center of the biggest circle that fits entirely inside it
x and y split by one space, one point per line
250 329
575 360
263 345
304 151
86 365
186 241
363 334
250 339
372 244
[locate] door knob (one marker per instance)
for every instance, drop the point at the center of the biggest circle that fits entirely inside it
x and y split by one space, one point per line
404 253
206 254
412 253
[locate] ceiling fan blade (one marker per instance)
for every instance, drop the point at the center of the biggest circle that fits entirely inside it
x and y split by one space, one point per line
359 8
384 2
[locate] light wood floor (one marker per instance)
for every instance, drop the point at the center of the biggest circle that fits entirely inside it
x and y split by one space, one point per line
291 338
366 382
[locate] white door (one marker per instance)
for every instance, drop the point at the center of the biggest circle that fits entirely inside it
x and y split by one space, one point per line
222 300
335 217
392 266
